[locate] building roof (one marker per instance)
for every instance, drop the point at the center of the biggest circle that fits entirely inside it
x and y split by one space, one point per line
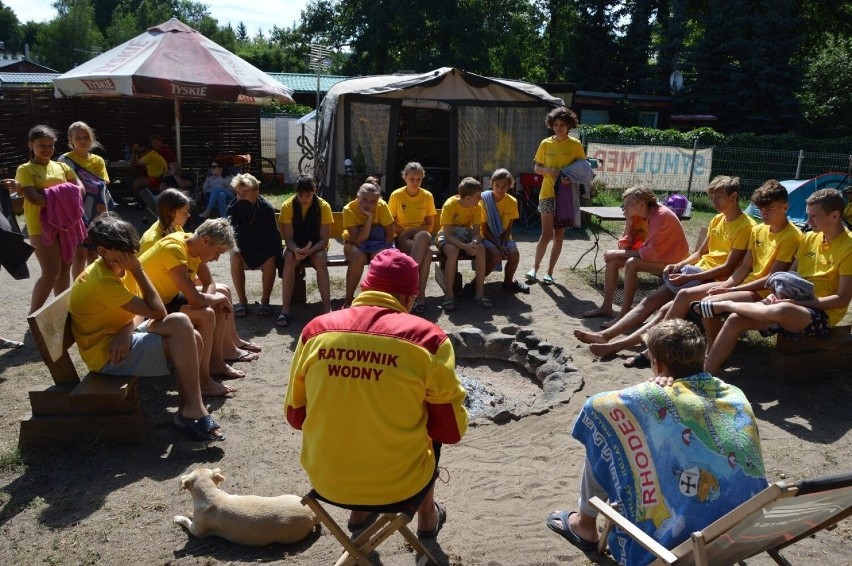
17 63
28 79
306 82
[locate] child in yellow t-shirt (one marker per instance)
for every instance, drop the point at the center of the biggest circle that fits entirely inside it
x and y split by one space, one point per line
172 213
305 224
413 211
367 230
499 212
460 232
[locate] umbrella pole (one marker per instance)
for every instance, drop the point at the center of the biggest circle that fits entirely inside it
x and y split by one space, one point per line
177 130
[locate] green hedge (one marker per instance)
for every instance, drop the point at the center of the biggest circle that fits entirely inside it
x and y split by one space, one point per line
710 137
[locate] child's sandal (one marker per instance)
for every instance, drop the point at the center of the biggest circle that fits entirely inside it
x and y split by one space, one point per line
484 302
448 304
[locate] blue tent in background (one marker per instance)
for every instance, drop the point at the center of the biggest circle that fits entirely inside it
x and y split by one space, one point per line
800 190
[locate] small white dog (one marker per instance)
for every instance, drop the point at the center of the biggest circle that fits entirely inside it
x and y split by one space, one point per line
244 519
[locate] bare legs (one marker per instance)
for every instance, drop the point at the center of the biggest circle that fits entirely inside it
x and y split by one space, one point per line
751 316
631 320
54 276
548 233
451 268
179 338
357 260
632 267
420 249
210 325
288 279
238 276
82 257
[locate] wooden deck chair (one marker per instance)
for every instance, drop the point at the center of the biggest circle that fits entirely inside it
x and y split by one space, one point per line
392 518
780 515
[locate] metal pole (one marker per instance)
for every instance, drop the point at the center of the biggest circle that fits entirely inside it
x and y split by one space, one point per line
799 163
316 116
692 167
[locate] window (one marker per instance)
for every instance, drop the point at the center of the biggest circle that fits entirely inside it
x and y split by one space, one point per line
594 117
648 119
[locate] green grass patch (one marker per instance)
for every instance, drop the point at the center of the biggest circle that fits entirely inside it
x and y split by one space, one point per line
11 460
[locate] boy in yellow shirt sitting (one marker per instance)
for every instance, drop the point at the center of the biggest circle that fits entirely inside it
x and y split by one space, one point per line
499 212
460 232
108 302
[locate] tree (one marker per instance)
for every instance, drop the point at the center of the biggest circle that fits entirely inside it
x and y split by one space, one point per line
10 30
242 34
826 96
71 38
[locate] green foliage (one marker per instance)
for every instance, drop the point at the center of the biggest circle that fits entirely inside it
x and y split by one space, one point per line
70 39
826 96
10 29
287 110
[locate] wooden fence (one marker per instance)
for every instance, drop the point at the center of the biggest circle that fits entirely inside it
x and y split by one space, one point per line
122 121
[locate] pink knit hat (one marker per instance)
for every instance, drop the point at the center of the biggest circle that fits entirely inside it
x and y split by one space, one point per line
393 272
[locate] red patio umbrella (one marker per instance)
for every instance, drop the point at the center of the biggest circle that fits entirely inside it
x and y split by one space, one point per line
172 60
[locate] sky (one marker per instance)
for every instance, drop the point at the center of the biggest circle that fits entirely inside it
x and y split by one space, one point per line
253 13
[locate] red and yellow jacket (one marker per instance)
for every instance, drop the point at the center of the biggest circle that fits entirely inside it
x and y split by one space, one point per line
370 387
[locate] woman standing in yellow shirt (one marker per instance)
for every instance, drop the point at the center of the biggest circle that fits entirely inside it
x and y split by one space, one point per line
555 152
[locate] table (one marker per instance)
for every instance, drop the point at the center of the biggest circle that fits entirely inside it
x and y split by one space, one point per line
597 215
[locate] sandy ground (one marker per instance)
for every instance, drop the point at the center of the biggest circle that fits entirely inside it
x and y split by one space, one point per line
90 503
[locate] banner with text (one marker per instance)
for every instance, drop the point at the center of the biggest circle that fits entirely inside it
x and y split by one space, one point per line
660 168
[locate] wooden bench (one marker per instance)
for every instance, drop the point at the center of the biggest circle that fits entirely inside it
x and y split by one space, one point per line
339 260
809 359
98 407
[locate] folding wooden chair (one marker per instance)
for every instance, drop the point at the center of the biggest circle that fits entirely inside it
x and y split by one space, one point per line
392 518
780 515
530 187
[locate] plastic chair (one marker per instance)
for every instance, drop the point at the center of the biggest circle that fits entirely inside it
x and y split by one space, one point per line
530 188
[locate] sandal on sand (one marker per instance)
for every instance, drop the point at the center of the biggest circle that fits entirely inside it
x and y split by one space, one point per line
442 518
247 357
371 518
200 429
530 276
284 320
639 361
240 310
264 310
419 308
547 279
702 309
10 344
448 304
516 287
558 523
250 346
484 302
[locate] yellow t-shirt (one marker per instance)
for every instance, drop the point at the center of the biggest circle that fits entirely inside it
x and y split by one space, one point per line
41 177
454 214
285 216
170 252
824 264
724 237
155 165
552 153
97 298
153 235
352 216
507 208
767 248
411 211
94 164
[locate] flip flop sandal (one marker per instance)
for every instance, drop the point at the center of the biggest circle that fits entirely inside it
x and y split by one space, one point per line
10 344
558 523
250 347
639 361
249 356
702 309
371 518
484 302
448 304
284 320
547 279
530 276
442 518
264 310
240 310
517 287
419 309
200 429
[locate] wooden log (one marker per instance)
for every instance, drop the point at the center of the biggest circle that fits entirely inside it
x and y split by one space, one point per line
114 428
